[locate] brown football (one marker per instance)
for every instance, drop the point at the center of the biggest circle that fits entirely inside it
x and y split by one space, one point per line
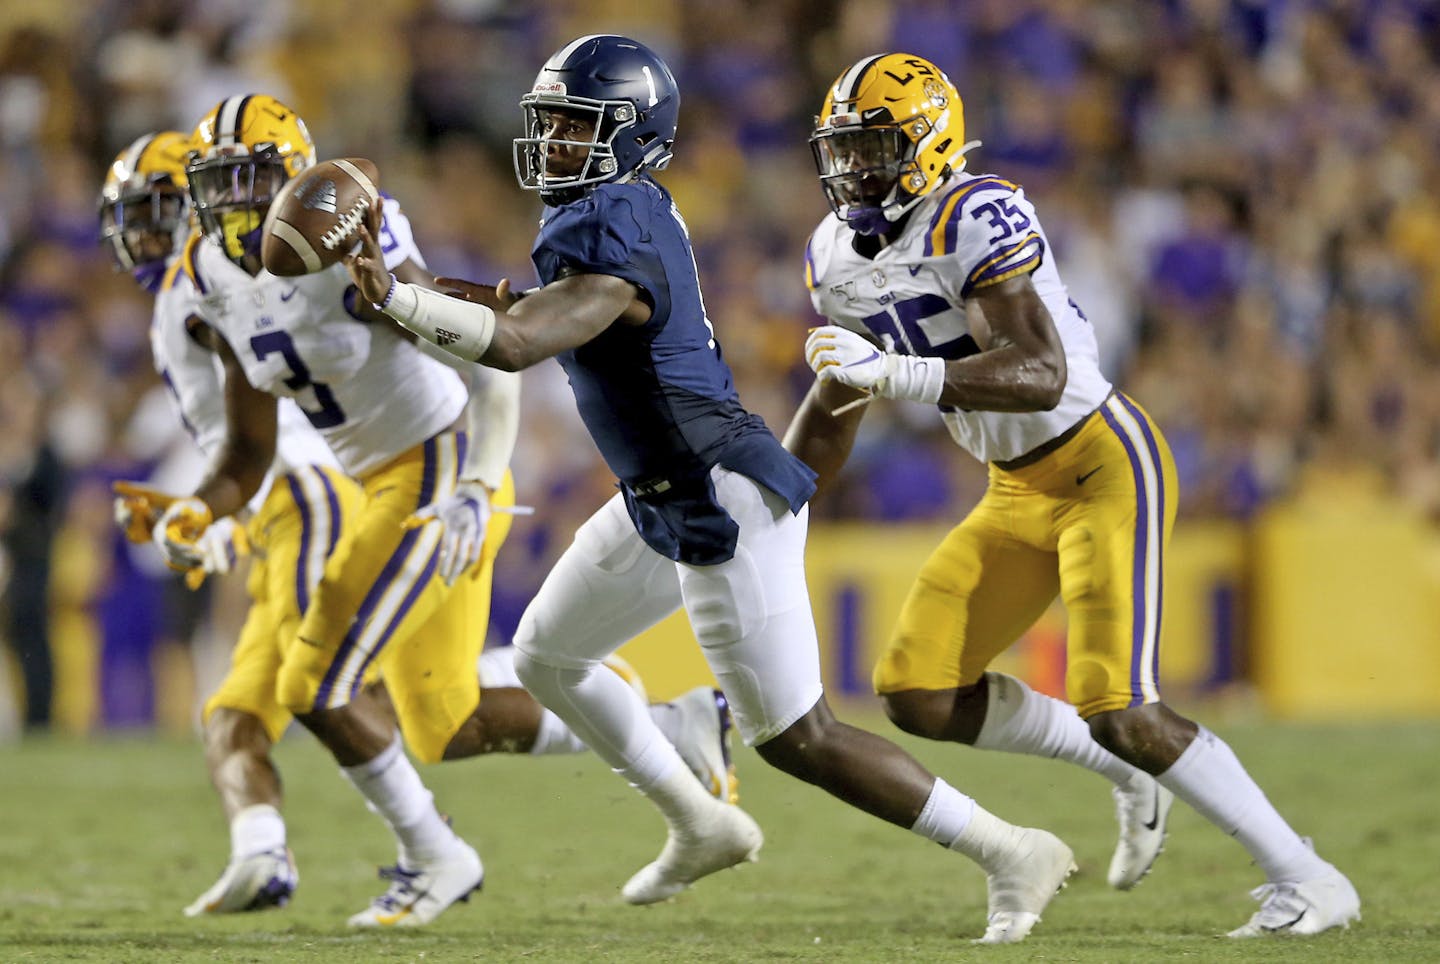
311 223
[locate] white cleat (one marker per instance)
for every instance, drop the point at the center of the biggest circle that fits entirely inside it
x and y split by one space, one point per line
1303 908
418 895
729 837
256 882
1142 809
1022 888
704 741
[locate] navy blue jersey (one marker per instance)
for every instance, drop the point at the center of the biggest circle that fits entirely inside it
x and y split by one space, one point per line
658 398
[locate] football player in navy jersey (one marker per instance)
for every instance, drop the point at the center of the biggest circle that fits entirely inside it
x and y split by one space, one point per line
711 514
372 586
940 288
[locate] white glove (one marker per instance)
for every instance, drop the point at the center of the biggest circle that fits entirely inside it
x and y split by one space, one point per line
840 355
222 545
464 516
179 531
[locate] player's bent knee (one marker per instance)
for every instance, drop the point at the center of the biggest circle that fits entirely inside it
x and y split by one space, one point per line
230 731
537 674
933 714
1118 731
906 712
430 719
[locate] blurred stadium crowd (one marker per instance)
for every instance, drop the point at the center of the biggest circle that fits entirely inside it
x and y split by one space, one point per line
1243 196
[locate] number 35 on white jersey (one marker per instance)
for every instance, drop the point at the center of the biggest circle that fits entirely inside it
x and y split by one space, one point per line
974 231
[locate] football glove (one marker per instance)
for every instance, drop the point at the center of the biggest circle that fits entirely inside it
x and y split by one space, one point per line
138 508
221 546
840 355
463 516
178 533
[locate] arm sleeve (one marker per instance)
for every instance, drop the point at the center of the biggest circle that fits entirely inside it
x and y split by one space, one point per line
492 421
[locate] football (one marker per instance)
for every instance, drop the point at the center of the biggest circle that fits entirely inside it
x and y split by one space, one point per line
311 223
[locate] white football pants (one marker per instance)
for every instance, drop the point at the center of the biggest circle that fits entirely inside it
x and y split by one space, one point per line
750 614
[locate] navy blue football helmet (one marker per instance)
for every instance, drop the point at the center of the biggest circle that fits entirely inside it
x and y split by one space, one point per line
630 94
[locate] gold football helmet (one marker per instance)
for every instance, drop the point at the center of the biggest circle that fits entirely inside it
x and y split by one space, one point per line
246 148
891 129
144 205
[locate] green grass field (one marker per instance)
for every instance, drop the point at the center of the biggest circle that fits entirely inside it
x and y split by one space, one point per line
104 842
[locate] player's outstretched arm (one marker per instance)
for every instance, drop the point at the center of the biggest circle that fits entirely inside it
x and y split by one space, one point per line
562 315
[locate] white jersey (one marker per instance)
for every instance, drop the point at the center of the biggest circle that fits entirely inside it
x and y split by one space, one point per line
365 387
975 231
195 382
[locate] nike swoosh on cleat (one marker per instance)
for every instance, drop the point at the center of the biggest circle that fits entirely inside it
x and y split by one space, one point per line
1080 479
1154 820
1288 924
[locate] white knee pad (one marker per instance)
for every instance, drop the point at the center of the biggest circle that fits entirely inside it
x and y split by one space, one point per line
533 671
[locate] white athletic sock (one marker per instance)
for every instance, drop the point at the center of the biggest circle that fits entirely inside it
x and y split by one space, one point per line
392 788
1210 778
946 814
1020 720
256 829
986 839
554 736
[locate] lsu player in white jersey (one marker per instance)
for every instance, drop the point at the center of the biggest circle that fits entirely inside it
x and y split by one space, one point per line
292 522
940 288
426 442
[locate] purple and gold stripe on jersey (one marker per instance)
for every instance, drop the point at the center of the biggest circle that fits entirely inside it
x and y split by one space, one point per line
186 262
320 524
945 224
1133 430
1018 258
810 263
402 579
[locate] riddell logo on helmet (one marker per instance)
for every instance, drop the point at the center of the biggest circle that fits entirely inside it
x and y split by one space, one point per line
548 87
